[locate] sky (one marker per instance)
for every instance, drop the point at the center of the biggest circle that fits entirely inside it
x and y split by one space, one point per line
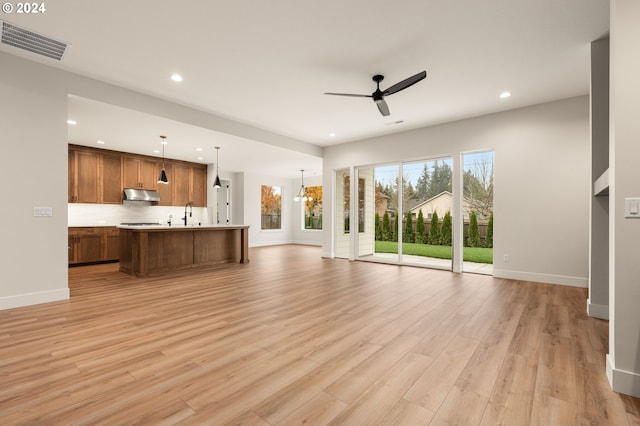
412 171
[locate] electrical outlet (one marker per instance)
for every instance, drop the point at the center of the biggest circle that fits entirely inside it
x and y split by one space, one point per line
505 258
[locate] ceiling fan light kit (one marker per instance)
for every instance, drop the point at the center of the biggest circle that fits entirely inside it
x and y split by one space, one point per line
378 95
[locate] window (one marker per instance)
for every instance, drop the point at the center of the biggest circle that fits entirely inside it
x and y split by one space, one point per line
271 207
313 208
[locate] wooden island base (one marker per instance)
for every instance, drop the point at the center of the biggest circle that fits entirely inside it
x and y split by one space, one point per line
153 250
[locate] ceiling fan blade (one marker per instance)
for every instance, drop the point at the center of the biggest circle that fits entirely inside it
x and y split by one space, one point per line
349 94
405 83
383 108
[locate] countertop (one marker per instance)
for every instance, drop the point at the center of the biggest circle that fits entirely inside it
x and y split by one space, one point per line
178 227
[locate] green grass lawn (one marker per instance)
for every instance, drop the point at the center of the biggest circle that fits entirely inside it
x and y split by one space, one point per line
469 254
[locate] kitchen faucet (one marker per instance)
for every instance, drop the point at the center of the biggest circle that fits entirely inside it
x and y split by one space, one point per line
190 205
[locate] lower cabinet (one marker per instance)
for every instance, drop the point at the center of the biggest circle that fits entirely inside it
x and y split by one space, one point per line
93 244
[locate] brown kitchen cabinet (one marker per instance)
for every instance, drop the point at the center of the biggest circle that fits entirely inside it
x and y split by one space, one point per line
111 243
99 176
190 185
139 172
181 184
83 176
111 178
94 177
199 186
93 244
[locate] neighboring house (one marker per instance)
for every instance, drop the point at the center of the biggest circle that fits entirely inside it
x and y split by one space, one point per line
441 203
382 203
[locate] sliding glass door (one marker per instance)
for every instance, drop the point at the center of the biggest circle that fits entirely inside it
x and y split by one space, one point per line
427 203
406 209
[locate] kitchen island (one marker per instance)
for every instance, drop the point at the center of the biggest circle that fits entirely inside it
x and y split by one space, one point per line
153 250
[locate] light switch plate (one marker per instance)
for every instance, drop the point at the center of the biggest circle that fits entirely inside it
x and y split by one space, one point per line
42 211
632 208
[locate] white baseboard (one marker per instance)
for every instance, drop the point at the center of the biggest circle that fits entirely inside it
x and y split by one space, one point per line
597 311
281 243
542 278
20 300
622 381
307 243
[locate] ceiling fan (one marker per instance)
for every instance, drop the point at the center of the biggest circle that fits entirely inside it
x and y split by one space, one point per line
378 95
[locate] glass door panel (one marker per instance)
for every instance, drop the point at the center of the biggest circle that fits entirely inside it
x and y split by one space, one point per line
477 212
427 203
385 191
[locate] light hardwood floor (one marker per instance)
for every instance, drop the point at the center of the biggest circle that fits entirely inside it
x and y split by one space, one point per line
291 338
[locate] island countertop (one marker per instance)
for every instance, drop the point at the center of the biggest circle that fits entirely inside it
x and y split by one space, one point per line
155 249
180 227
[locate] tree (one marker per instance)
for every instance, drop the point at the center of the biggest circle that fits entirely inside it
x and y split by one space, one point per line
446 230
408 236
270 198
377 228
474 235
478 187
420 236
312 206
489 237
386 228
422 185
434 230
440 179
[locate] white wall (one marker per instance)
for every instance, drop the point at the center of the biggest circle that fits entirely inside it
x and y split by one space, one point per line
623 360
542 170
33 135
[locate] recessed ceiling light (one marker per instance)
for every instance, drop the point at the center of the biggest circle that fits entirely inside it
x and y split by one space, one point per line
72 122
332 135
200 158
100 142
176 77
156 151
198 149
505 95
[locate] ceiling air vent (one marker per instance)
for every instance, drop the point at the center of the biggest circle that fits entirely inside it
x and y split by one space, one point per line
21 38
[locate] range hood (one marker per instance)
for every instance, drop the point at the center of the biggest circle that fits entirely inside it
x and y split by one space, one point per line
135 194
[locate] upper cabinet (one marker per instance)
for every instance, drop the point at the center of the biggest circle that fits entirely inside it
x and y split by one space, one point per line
139 173
99 176
199 185
83 177
190 184
111 172
94 177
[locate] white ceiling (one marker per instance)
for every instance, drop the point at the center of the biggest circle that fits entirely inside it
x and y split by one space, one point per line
268 64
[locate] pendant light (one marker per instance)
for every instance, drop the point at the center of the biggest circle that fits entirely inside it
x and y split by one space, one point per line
217 184
302 193
163 174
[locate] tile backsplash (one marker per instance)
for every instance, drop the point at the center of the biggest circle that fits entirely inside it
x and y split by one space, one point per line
130 211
